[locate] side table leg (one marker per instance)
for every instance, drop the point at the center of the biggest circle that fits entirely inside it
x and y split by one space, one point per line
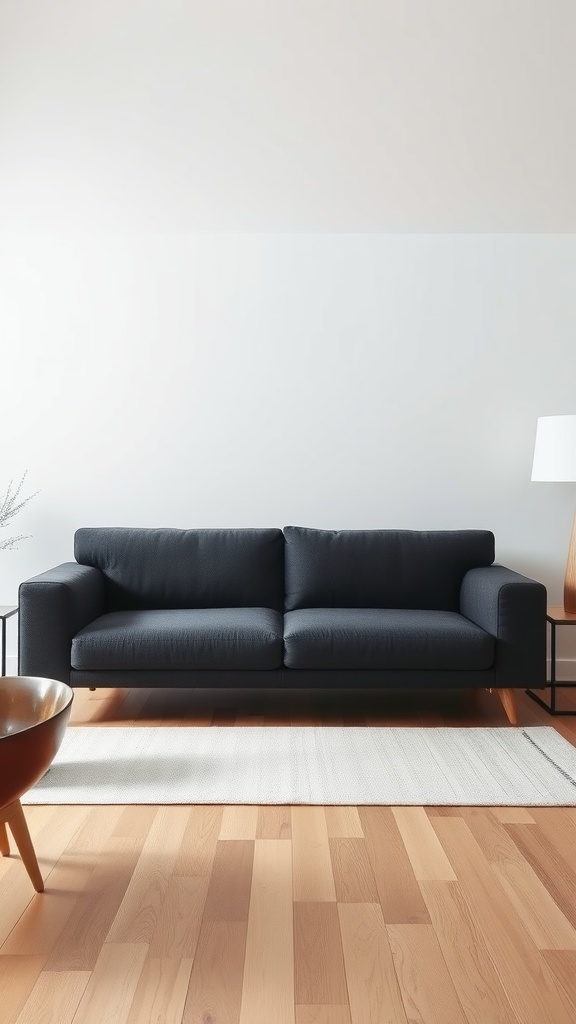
553 668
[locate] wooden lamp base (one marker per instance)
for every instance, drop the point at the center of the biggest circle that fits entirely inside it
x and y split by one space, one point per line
570 577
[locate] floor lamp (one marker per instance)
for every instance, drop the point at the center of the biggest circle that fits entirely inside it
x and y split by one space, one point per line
555 461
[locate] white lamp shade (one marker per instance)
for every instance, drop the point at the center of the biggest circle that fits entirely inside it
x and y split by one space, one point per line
555 449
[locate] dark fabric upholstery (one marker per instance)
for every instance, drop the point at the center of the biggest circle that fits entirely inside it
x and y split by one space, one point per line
53 607
284 678
201 638
239 643
146 568
381 568
512 608
391 639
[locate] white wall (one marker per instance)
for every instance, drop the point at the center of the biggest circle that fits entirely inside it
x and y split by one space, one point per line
329 380
252 269
296 115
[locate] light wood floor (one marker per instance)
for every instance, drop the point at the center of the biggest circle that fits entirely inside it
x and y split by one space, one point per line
302 915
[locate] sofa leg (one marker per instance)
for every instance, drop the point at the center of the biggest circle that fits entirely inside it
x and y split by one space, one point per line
508 698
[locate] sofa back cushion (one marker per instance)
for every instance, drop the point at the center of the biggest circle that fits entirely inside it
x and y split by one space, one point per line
381 568
148 568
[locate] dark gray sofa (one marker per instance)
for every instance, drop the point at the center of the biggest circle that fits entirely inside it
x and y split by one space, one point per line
292 608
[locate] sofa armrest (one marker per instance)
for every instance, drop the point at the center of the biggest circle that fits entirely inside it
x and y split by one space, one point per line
513 609
53 607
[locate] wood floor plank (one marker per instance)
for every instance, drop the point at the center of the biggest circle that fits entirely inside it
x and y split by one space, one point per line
78 945
484 926
493 836
55 997
557 874
46 915
249 720
5 863
88 707
239 821
176 934
398 891
161 992
38 817
215 989
426 987
312 865
323 1014
18 975
134 822
319 975
40 927
100 825
542 917
343 823
428 859
559 829
352 871
130 708
273 718
110 991
562 963
16 892
274 822
228 897
268 980
373 989
524 975
138 913
466 954
198 846
513 815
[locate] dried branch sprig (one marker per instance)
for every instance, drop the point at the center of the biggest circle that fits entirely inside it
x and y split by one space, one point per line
10 505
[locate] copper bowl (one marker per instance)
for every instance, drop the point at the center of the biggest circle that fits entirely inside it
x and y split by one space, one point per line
34 713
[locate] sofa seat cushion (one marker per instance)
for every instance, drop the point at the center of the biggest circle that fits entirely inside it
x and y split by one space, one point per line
198 638
384 639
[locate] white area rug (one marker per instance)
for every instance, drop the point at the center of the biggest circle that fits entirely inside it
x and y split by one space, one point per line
310 765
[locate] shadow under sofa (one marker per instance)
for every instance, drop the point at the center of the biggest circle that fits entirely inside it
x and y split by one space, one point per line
265 608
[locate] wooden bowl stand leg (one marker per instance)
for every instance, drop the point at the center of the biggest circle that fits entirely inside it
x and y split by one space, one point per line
4 844
13 815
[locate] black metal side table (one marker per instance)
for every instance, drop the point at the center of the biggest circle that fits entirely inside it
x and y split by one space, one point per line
6 610
556 616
